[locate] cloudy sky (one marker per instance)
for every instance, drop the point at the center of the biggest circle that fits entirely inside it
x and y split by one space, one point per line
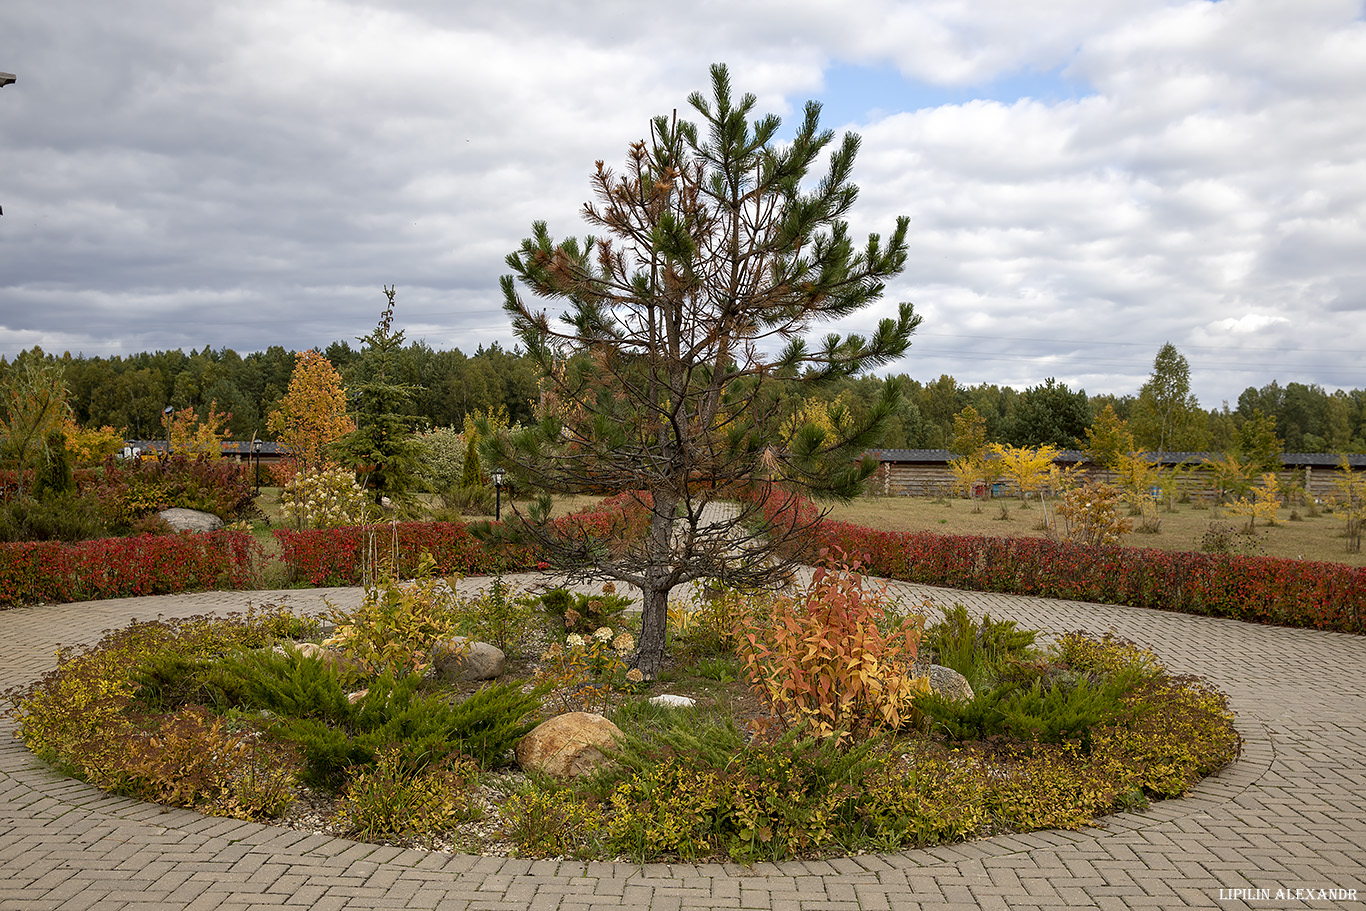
1086 179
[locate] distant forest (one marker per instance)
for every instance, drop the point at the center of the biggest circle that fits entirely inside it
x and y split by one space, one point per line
129 393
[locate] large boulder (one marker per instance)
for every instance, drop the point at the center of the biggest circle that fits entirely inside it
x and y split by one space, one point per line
949 683
568 746
190 519
459 658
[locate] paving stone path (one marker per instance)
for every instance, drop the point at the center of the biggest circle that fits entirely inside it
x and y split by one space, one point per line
1290 814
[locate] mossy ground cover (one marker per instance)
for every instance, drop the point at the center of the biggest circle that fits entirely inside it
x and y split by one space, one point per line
772 762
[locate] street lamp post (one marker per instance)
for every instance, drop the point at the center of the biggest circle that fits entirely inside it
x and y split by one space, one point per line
167 412
499 478
256 457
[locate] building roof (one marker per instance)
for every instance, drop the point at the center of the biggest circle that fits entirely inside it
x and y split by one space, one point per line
230 447
1288 459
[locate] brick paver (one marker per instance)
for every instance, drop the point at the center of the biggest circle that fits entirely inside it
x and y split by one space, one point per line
1289 814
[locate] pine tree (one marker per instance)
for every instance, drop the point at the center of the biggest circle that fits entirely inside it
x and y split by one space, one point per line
715 250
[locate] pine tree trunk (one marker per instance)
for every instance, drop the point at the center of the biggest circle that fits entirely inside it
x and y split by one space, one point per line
654 625
654 619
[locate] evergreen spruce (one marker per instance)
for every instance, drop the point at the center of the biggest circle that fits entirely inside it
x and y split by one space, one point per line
383 449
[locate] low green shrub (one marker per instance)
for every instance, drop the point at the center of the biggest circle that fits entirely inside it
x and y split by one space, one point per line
396 624
283 682
711 625
498 617
64 516
976 649
550 821
1048 700
390 799
423 729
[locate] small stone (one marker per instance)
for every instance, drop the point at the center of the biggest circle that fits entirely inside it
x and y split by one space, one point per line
568 746
459 658
677 702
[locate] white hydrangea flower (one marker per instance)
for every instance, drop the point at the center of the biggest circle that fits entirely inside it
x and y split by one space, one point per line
603 634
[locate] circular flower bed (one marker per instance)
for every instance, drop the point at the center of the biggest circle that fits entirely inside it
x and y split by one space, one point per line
813 729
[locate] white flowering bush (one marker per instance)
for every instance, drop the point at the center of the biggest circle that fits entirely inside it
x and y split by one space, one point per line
443 457
323 499
584 671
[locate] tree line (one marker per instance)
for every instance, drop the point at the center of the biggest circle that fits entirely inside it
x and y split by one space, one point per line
130 392
1302 418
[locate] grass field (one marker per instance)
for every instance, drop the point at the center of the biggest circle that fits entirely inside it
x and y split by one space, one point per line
1296 535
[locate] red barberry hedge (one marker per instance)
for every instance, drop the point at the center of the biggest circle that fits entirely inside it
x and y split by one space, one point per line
337 556
1329 596
1257 589
48 571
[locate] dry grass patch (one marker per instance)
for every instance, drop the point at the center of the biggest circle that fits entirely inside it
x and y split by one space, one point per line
1319 538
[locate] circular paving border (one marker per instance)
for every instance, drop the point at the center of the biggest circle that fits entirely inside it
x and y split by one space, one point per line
1289 814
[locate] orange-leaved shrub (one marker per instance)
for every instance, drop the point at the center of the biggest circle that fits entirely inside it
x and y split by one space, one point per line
836 657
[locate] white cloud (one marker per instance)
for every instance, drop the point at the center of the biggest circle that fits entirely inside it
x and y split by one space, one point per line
1247 325
251 176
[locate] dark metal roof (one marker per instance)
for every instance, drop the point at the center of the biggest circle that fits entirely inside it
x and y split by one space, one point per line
1288 459
230 447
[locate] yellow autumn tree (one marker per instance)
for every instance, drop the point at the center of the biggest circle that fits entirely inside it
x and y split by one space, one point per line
1136 474
1030 469
195 437
90 445
830 417
313 412
1108 439
1263 504
973 466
